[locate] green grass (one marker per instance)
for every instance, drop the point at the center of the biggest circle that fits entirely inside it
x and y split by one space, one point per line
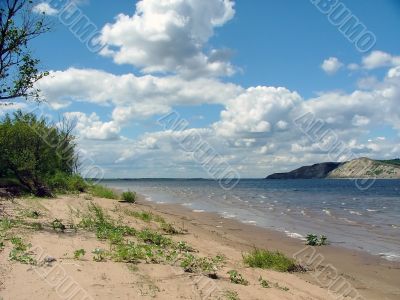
142 215
103 192
264 259
129 197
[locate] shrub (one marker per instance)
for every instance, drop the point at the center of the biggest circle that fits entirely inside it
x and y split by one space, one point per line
102 192
62 183
129 196
265 259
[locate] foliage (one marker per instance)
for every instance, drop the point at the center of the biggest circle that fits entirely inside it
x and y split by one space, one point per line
99 254
231 295
102 192
265 259
58 225
264 283
33 150
62 182
19 70
152 237
313 240
391 161
206 265
129 197
237 278
20 252
79 253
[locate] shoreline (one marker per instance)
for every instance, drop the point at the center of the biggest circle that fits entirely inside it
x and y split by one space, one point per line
209 234
371 274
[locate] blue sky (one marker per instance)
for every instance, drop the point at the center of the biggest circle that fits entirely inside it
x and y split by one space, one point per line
239 72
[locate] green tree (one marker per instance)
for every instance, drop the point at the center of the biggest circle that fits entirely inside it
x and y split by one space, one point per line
18 68
33 150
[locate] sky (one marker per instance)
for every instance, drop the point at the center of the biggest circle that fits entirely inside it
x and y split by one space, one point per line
264 86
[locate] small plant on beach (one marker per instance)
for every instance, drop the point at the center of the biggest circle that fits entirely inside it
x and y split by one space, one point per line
152 237
231 295
129 197
205 265
142 215
182 246
237 278
58 225
20 252
264 283
169 228
313 240
99 255
264 259
282 288
78 254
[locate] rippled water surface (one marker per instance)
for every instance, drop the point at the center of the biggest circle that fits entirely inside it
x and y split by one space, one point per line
367 220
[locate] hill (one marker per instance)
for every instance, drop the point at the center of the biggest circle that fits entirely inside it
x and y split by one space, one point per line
357 168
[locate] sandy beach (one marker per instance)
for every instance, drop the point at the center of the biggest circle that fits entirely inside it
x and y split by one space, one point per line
331 271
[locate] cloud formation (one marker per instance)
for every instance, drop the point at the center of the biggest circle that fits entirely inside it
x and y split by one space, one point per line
331 65
170 36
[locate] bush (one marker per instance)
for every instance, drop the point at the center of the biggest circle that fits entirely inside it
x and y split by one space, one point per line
34 150
237 278
265 259
129 196
313 240
62 183
103 192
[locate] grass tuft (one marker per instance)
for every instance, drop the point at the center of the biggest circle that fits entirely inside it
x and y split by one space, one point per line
265 259
103 192
129 197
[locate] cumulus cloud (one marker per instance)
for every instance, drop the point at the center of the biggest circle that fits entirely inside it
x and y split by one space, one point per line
91 127
379 59
258 110
170 36
331 65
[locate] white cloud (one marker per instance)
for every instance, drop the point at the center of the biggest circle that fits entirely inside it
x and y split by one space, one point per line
44 7
256 111
90 127
331 65
378 59
170 36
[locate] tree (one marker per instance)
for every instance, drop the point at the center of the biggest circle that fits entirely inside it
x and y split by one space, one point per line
18 68
33 150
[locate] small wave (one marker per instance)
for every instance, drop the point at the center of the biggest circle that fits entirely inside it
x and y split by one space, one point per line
372 210
348 221
327 212
198 210
262 196
390 256
160 202
355 213
187 204
261 201
227 215
249 222
294 235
